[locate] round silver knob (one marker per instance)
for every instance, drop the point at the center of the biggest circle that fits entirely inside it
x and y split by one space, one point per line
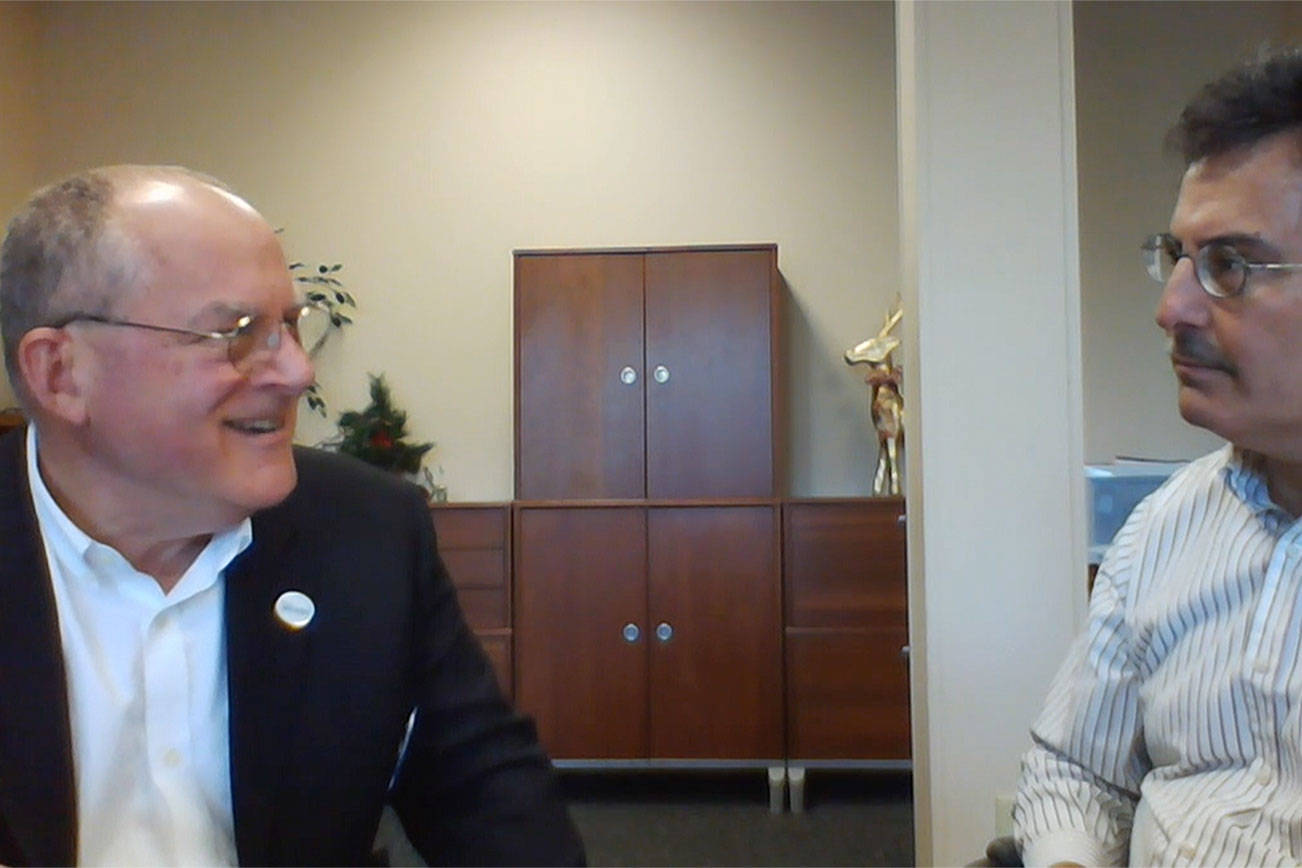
661 373
631 632
627 376
664 632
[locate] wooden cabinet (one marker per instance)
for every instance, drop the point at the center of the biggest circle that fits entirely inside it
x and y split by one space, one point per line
846 628
647 373
648 631
11 419
474 542
647 531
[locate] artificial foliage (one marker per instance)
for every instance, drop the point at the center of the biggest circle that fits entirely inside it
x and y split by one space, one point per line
378 433
325 290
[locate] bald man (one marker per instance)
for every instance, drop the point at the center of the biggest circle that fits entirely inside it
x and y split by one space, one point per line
212 641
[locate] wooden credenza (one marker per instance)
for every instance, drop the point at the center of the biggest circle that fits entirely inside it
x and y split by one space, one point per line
687 632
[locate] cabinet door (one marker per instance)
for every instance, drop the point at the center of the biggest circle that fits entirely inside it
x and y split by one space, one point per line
580 577
709 425
716 683
579 425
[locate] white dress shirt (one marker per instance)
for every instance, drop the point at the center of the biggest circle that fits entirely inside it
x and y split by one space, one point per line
1172 735
147 695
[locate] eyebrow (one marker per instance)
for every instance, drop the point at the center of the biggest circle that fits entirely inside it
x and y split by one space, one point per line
226 310
1246 242
216 309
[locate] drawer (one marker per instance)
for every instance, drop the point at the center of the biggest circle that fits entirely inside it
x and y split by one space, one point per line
497 647
847 694
844 564
469 527
485 608
476 568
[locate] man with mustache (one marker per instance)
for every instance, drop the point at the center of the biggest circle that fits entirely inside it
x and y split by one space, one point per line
211 641
1173 732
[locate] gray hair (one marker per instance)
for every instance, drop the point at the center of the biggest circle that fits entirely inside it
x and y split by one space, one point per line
64 253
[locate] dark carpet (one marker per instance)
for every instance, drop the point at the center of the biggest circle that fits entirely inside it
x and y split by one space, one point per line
658 818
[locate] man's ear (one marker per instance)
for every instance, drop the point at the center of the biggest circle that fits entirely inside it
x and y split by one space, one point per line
47 360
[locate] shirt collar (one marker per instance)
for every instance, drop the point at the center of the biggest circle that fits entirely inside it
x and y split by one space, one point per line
103 561
1245 475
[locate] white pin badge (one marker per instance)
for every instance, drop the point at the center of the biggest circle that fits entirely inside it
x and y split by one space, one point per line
295 609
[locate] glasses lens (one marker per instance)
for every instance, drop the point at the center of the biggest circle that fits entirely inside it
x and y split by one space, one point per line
313 324
1222 270
257 339
254 342
1160 255
249 343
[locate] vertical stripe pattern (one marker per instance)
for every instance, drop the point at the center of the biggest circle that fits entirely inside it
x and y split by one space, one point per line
1172 734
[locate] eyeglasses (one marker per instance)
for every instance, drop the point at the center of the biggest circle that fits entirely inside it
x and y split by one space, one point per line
251 343
1221 269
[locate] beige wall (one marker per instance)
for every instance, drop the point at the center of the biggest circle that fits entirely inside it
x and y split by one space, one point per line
18 117
420 143
1137 64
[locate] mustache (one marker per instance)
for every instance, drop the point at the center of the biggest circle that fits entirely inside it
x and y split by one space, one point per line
1190 347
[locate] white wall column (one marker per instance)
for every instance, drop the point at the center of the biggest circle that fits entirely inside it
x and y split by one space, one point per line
991 283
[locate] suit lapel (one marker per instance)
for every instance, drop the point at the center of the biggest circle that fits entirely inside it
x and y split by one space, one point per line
37 799
264 659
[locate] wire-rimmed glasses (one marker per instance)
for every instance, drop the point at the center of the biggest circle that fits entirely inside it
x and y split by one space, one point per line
1221 269
251 343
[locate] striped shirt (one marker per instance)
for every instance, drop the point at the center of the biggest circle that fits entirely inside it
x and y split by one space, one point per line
1172 734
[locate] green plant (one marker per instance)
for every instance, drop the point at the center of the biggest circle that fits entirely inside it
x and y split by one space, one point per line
327 291
377 434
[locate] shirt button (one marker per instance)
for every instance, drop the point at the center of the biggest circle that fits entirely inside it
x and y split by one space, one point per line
1264 776
172 758
1187 852
1262 666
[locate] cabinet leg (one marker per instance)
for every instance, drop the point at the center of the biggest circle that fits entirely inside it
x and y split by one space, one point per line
796 778
777 788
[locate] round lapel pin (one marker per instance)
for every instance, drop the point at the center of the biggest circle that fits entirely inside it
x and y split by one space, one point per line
295 609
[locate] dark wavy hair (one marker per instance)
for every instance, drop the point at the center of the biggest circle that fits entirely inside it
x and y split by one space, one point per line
1256 99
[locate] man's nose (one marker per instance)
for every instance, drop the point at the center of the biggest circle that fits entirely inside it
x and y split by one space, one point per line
289 365
1183 300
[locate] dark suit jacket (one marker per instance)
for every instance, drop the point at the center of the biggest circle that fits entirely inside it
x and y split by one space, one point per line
316 716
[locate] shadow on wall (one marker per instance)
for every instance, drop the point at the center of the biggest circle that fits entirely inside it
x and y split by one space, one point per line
814 366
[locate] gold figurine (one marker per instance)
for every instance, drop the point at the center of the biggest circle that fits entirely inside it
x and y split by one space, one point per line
883 378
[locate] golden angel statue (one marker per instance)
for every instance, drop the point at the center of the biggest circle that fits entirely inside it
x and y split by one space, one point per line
883 379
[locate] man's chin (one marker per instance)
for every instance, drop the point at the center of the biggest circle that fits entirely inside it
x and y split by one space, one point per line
267 487
1198 409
